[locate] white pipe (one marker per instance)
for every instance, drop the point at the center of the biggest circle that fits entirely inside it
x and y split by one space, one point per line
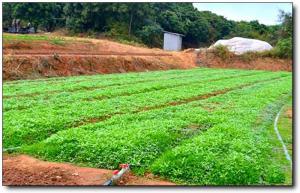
119 174
11 149
287 155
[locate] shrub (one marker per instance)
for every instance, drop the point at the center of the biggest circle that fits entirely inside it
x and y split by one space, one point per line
248 56
284 48
222 52
119 32
91 34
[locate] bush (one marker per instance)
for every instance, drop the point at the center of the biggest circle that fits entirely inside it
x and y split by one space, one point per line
222 52
91 34
119 32
248 56
117 29
284 48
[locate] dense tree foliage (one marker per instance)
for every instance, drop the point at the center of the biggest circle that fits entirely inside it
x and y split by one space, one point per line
144 22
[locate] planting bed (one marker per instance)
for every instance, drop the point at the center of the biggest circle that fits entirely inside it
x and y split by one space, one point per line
201 126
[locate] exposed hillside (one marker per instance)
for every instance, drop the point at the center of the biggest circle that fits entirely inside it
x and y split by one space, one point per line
29 57
246 61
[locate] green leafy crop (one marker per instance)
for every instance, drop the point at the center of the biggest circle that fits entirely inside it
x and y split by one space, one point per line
201 126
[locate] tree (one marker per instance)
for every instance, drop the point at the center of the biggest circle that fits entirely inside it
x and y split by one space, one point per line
144 21
42 15
197 32
286 20
151 35
7 10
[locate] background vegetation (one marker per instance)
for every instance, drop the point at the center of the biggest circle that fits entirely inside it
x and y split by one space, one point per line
145 22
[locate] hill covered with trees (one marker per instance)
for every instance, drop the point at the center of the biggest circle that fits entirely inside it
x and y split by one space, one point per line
145 22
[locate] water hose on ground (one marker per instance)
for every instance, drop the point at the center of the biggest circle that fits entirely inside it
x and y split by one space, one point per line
286 153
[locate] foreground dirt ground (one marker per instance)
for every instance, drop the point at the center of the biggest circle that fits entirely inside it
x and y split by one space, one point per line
25 170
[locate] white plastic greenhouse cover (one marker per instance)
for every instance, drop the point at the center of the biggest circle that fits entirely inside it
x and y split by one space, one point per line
240 45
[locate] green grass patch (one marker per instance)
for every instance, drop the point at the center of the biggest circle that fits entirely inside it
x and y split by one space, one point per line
28 37
56 40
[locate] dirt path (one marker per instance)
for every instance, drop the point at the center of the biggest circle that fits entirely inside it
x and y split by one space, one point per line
25 170
84 54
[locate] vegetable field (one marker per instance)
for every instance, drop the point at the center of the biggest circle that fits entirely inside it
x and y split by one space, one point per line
201 126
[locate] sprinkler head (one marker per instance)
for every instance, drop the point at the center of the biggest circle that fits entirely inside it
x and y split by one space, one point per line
115 172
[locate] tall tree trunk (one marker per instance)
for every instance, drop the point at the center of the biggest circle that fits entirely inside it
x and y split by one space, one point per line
130 23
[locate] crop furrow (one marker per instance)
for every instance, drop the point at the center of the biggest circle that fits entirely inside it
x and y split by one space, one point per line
173 103
166 87
90 88
85 88
142 138
161 113
119 91
40 122
117 78
105 77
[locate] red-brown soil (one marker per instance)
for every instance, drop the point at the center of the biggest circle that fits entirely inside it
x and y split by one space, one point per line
25 170
289 113
209 59
37 59
78 56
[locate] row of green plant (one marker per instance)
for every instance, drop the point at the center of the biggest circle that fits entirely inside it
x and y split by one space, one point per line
214 141
71 79
115 90
91 81
40 121
237 150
